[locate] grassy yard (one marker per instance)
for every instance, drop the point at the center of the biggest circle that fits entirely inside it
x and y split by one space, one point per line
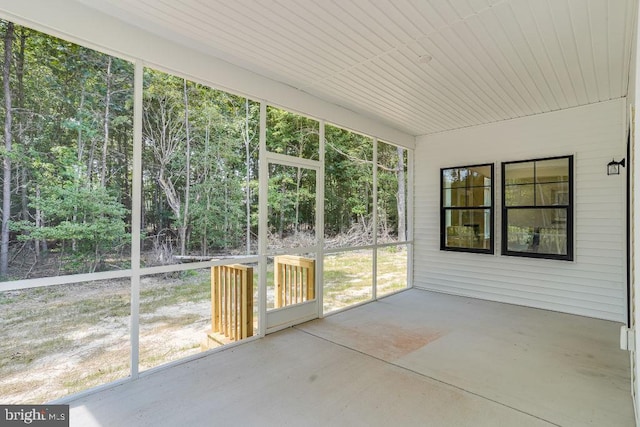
348 276
63 339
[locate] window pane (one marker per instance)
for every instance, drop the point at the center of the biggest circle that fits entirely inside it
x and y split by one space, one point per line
200 171
519 173
292 207
176 311
454 197
467 197
480 176
292 134
70 186
63 339
454 178
519 195
392 193
474 176
348 203
348 279
468 228
556 193
392 269
555 170
537 231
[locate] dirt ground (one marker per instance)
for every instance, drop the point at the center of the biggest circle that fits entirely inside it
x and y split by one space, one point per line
60 340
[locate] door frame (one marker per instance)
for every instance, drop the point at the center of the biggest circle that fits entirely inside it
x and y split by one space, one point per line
281 318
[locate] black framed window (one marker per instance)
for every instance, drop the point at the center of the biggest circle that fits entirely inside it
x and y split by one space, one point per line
466 201
537 208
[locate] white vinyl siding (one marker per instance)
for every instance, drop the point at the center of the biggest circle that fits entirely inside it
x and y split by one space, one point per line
594 284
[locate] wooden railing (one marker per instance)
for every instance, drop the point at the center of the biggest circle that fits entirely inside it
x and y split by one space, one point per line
294 280
231 303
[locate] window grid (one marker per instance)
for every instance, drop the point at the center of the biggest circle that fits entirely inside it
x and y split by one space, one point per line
484 208
563 243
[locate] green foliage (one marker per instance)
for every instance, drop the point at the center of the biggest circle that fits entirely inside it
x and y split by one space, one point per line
86 225
348 180
72 163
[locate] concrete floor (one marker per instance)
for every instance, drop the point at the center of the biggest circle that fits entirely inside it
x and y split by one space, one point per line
415 358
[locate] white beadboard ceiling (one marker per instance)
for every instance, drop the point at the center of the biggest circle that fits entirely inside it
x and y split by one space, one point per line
492 59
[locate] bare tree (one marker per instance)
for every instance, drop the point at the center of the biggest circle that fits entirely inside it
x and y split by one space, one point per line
164 133
187 185
107 103
6 164
247 137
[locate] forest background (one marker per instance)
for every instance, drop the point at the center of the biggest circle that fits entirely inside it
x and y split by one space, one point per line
67 167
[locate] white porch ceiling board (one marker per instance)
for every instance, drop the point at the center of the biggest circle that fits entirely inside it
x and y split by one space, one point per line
313 31
439 100
231 28
377 23
455 73
391 76
473 36
580 22
502 68
561 17
424 23
549 37
197 24
360 39
599 45
492 59
473 56
447 11
463 9
620 19
376 100
529 65
537 52
400 81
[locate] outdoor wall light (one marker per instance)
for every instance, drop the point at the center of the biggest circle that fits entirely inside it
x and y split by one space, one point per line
613 167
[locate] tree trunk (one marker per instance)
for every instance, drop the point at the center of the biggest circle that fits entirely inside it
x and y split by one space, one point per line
402 199
187 186
80 154
22 41
283 192
298 185
6 187
105 145
205 179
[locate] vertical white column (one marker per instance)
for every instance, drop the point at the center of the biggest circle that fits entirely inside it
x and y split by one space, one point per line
410 194
320 223
374 264
263 187
136 212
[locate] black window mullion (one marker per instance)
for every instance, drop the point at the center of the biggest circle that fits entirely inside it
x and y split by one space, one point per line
565 219
476 209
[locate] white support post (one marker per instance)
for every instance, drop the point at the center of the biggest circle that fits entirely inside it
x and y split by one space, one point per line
374 264
410 216
136 211
320 223
263 208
